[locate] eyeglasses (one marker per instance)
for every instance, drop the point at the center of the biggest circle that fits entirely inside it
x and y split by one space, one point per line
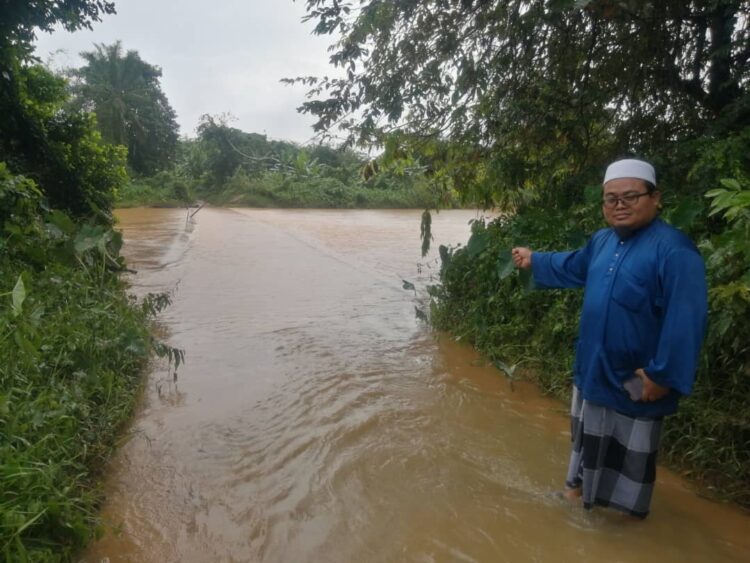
627 199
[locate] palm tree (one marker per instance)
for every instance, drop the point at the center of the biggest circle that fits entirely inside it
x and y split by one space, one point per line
124 92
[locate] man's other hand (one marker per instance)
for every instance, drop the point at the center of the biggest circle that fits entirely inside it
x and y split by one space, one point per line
651 391
521 257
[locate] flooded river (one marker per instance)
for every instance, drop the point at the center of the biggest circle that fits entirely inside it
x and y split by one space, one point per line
318 420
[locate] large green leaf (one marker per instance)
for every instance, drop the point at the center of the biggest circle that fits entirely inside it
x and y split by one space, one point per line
62 222
730 183
478 242
18 296
89 237
505 265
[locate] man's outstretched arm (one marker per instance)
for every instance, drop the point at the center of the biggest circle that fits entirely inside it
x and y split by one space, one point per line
554 269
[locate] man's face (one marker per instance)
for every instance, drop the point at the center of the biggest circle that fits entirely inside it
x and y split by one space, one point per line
628 216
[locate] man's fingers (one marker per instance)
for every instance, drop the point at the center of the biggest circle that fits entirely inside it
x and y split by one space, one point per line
521 257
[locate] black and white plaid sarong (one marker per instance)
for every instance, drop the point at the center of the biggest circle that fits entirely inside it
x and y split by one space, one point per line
613 457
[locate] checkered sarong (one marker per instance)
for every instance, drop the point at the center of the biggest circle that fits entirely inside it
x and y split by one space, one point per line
613 457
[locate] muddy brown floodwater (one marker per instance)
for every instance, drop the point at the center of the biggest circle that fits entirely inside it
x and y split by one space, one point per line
317 420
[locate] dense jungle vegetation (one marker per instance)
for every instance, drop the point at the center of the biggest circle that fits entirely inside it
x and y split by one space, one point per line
523 103
227 166
72 343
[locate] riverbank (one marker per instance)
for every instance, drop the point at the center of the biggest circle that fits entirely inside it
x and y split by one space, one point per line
278 191
73 351
140 193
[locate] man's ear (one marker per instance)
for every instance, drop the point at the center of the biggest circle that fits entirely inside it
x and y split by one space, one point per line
657 195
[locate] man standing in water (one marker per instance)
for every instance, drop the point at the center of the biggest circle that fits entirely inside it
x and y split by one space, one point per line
642 325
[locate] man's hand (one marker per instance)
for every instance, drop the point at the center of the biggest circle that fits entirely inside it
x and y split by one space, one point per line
651 391
521 257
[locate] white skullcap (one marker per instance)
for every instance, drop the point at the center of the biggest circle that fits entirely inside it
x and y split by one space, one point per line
630 168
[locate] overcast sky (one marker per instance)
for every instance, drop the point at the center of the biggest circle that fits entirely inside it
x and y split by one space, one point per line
216 56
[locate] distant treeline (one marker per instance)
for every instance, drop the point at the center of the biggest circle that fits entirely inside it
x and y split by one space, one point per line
118 96
227 166
121 95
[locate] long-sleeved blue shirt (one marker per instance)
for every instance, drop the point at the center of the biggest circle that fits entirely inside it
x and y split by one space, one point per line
644 306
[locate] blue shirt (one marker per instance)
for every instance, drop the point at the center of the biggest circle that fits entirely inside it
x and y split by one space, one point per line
644 306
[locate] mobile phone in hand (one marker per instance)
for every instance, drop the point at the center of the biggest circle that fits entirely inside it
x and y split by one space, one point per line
634 387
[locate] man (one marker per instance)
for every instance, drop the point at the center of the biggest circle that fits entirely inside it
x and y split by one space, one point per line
642 325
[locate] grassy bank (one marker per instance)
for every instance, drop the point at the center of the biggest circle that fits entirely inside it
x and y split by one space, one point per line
158 191
73 347
278 190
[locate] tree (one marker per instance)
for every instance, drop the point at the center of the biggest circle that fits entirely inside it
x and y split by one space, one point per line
59 149
131 109
20 19
224 149
39 138
539 91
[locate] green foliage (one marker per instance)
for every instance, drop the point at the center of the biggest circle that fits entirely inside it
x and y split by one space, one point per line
131 110
165 189
732 201
227 166
21 20
530 94
72 350
223 149
275 189
72 344
61 150
425 232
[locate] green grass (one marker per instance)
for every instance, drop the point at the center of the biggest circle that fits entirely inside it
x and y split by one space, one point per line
272 189
70 366
73 347
138 193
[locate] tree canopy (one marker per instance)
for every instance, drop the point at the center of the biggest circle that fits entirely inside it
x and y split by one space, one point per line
39 136
131 109
540 88
20 19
